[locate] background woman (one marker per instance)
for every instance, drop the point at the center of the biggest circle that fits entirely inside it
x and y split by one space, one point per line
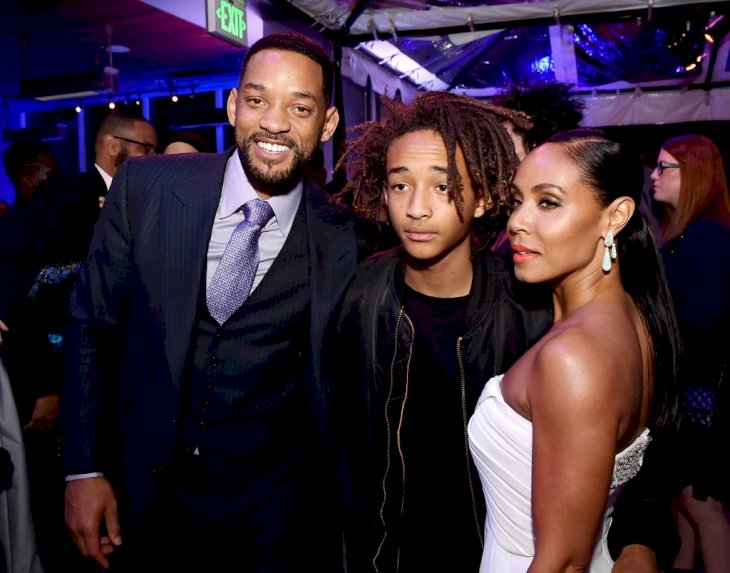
690 179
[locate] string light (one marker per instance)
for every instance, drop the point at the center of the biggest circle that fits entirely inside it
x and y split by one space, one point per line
714 21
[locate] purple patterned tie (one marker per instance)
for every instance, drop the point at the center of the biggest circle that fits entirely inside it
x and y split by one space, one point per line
234 276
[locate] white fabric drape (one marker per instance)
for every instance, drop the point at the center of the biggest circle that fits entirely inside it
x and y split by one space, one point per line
16 525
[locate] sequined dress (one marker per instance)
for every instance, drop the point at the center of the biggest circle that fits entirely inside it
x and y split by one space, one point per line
501 444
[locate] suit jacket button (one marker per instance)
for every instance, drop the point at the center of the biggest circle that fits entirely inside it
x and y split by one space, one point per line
156 470
201 425
215 361
174 419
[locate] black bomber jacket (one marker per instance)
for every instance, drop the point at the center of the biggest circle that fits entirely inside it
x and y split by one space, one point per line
373 337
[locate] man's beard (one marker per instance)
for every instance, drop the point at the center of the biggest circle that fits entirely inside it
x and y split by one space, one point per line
274 181
121 157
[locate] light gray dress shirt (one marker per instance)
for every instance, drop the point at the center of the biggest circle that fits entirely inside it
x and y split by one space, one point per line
104 175
237 190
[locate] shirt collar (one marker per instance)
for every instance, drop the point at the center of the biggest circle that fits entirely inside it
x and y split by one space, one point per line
104 175
237 190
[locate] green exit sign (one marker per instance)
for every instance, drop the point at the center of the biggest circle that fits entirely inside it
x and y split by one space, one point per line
227 20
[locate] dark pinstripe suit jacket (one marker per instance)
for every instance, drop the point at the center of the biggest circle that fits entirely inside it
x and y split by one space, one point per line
139 292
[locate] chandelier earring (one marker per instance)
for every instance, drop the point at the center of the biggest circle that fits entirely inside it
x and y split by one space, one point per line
609 254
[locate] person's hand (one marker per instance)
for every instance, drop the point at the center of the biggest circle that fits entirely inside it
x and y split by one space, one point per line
88 501
102 200
45 413
636 559
3 328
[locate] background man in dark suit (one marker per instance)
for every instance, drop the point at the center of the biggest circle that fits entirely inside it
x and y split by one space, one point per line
220 454
118 138
50 225
42 236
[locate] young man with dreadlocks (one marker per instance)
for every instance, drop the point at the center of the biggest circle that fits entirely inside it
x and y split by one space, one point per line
423 326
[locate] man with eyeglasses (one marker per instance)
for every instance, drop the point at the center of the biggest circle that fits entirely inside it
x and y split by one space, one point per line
119 137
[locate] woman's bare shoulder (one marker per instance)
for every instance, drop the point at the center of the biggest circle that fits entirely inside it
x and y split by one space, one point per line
583 361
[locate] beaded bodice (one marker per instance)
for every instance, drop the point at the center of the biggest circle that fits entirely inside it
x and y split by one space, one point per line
628 462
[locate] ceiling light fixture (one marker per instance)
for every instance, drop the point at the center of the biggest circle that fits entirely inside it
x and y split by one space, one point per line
66 96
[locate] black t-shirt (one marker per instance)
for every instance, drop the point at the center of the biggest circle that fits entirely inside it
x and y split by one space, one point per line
438 531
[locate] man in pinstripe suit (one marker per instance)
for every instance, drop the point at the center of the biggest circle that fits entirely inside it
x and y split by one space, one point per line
210 448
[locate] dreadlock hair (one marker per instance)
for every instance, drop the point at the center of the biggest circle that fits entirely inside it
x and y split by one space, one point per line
551 105
474 126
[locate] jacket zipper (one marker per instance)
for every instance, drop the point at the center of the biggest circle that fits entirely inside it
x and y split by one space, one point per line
465 419
401 314
400 425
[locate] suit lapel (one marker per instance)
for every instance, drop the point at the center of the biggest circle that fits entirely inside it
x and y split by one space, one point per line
332 259
186 221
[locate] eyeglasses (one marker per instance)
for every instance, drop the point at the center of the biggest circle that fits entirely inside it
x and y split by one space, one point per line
148 147
662 165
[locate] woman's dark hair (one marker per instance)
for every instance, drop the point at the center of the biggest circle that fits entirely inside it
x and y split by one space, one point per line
611 170
473 126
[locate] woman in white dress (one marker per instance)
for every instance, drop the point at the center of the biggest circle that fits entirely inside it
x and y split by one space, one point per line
556 437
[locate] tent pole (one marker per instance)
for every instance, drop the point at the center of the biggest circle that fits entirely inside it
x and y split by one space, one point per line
339 178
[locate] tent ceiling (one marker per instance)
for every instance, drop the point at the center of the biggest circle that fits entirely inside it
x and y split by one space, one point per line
476 47
479 47
363 17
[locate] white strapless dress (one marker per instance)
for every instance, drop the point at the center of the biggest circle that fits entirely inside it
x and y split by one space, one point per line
501 445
